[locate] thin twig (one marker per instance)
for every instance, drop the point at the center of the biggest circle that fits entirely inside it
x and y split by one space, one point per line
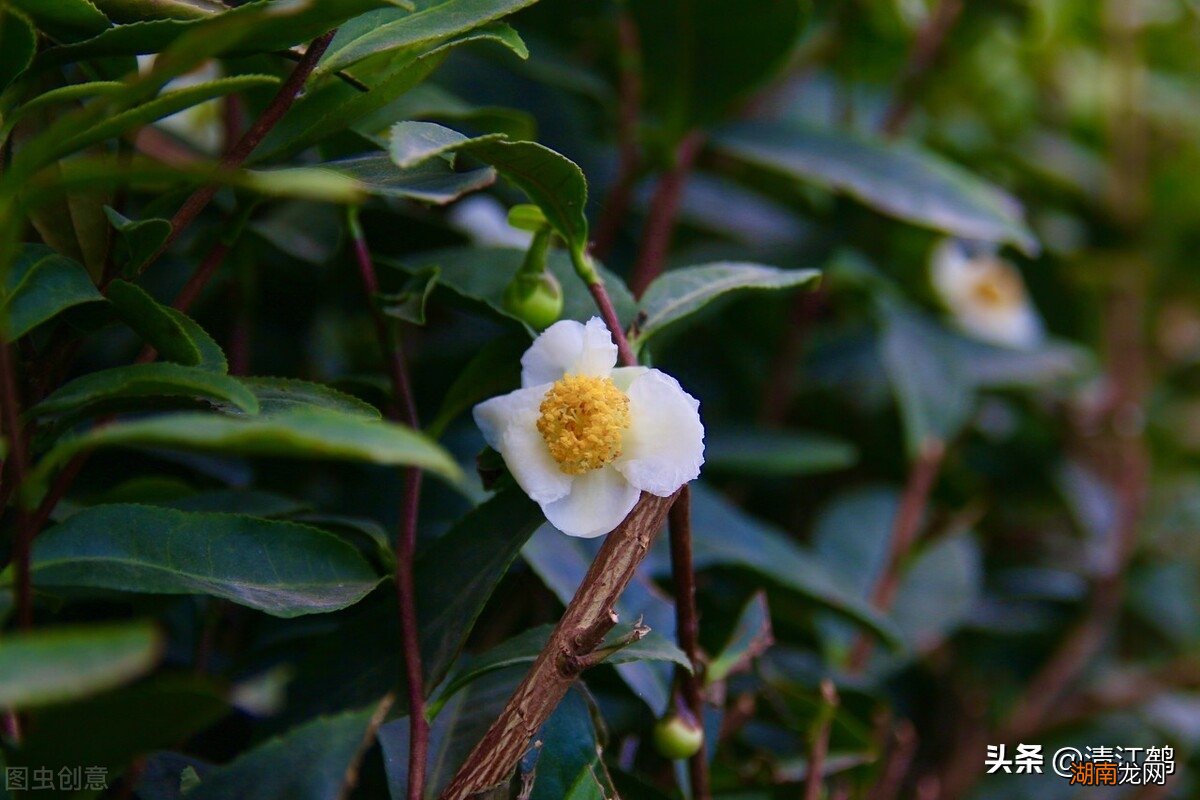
629 100
403 408
17 463
926 48
588 617
252 138
664 208
609 314
897 763
687 626
818 746
905 528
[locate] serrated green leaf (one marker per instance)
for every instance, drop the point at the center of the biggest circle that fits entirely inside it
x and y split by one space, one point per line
409 303
65 20
433 182
457 574
126 11
302 433
136 241
724 535
281 395
281 568
680 293
175 335
389 31
551 180
17 45
112 389
51 665
164 105
479 275
750 639
307 763
42 284
897 180
494 370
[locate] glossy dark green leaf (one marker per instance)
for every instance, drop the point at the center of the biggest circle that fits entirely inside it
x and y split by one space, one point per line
724 535
61 663
432 182
680 293
137 240
260 26
452 734
126 11
552 181
118 387
701 56
301 433
151 715
570 751
391 30
65 20
42 284
17 45
281 395
935 396
409 303
898 180
176 336
750 639
776 453
494 370
938 591
478 276
281 568
457 574
164 105
310 762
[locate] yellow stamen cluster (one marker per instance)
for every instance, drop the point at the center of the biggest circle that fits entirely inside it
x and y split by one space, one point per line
999 286
582 420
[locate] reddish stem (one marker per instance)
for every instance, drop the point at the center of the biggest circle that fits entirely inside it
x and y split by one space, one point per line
609 314
402 407
17 463
629 98
252 138
818 747
687 624
664 207
905 527
925 50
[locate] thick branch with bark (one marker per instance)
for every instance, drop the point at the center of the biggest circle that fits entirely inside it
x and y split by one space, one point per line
590 615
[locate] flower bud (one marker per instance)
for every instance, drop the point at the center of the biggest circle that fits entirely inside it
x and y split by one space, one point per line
678 736
537 299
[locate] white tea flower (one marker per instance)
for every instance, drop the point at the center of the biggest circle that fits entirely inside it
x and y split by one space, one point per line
986 295
584 439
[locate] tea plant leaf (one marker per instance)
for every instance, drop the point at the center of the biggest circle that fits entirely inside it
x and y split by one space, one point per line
53 665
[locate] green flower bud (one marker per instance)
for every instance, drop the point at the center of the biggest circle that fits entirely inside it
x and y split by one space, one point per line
537 299
678 736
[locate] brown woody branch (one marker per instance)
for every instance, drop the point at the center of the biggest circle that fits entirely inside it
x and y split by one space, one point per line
590 615
688 630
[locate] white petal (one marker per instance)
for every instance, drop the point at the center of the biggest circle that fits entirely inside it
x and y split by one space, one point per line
568 346
599 354
623 377
509 424
597 503
664 445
